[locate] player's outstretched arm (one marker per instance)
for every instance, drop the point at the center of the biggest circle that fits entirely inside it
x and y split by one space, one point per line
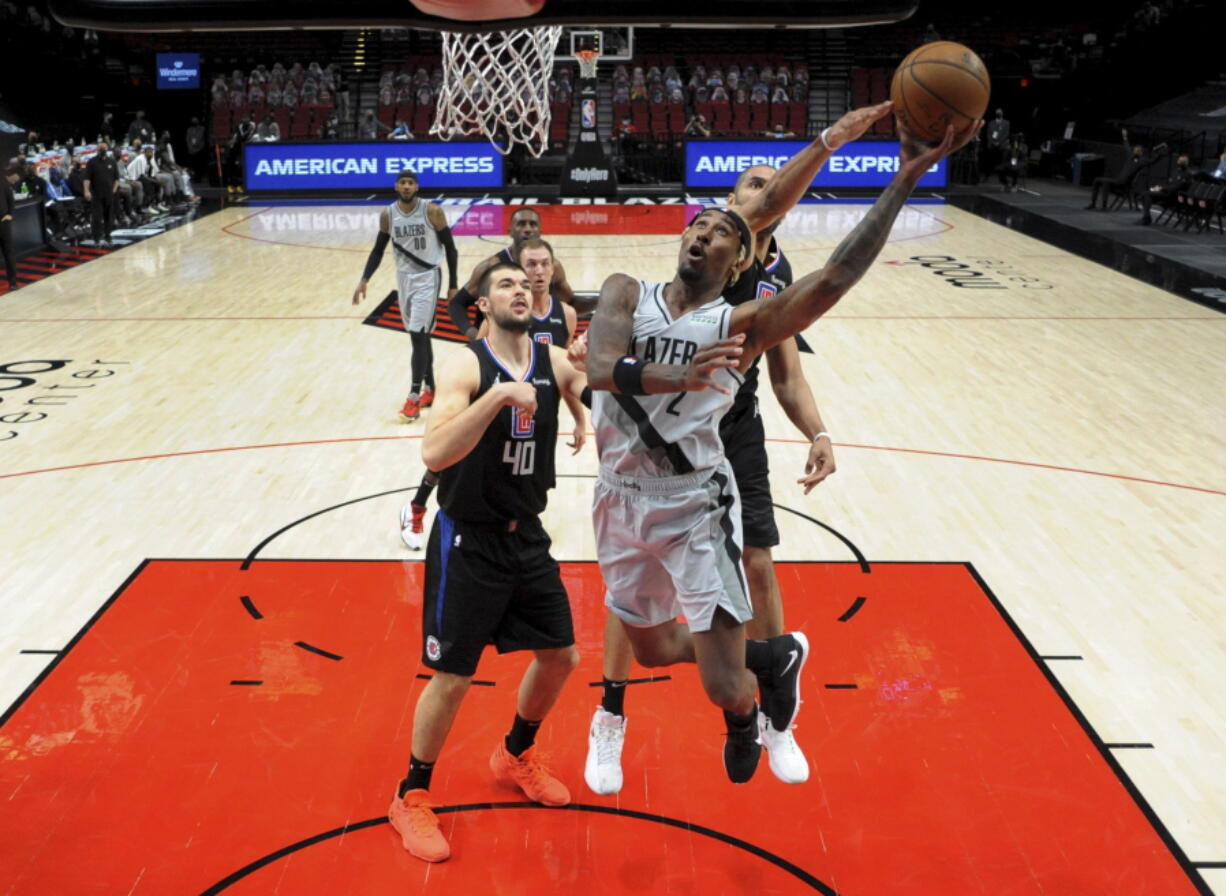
456 422
766 324
796 398
789 183
465 297
571 384
610 368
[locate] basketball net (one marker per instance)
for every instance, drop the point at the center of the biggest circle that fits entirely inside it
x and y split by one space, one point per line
587 62
496 85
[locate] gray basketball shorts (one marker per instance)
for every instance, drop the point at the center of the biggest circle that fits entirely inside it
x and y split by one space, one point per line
671 546
418 298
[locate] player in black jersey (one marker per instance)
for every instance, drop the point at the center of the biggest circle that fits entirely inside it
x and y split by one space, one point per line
489 575
552 323
525 225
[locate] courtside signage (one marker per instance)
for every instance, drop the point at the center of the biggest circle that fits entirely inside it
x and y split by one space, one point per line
863 163
178 71
360 166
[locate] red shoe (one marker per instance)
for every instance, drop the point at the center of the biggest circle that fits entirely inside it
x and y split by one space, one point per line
527 772
411 410
427 397
413 819
412 523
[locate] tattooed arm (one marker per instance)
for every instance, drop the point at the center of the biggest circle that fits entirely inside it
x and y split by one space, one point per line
768 323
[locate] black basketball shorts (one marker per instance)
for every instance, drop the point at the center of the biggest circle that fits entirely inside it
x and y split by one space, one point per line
486 585
744 439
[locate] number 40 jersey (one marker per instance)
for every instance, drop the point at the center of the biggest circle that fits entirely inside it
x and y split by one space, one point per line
672 433
507 476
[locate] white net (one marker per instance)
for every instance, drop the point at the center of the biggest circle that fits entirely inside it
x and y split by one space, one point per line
587 63
496 85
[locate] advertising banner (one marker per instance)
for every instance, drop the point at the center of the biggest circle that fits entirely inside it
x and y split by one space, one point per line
862 163
373 166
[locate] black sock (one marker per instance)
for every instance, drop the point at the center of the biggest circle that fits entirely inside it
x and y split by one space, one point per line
758 656
428 482
419 776
429 372
522 735
740 723
613 696
421 343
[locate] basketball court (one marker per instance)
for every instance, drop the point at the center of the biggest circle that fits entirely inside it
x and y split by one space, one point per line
210 628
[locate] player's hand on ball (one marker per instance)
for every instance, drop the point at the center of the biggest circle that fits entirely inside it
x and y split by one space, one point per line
519 395
707 362
854 124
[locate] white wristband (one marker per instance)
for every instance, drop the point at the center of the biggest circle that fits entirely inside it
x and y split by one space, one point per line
825 142
822 435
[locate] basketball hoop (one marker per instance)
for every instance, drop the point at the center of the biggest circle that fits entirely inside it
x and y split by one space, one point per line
587 62
496 85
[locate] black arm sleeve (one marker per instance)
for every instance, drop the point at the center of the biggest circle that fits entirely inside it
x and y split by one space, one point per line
453 257
376 255
458 309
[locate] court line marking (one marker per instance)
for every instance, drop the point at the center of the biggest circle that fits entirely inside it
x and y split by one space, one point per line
845 445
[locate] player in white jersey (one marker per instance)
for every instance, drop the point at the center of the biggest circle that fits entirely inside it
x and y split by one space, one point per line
663 361
420 238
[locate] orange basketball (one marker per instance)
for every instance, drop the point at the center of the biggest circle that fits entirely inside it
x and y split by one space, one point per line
940 84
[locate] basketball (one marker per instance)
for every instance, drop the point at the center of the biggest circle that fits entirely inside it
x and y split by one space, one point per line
940 84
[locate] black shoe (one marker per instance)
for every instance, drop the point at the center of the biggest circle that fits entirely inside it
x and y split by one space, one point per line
781 699
742 750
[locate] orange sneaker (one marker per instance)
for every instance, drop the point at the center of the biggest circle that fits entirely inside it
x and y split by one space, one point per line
411 410
413 819
427 397
528 773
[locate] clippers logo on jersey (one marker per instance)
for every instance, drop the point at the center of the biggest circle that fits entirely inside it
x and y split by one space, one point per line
523 424
766 290
543 338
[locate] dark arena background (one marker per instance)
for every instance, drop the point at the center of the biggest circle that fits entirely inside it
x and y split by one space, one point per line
211 628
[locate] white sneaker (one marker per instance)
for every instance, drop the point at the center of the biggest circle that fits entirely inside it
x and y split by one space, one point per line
603 769
410 527
786 759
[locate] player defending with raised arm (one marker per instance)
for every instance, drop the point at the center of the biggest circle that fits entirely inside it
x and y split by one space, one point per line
489 576
420 236
743 437
664 360
553 323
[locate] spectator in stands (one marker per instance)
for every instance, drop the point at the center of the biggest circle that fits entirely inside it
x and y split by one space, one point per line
8 202
697 126
220 91
106 130
331 129
140 128
195 141
621 92
627 135
101 182
181 176
267 131
799 92
400 131
370 128
760 93
425 95
780 94
289 95
1180 181
1013 163
778 132
1137 163
31 146
255 93
998 140
274 95
720 95
156 182
1219 173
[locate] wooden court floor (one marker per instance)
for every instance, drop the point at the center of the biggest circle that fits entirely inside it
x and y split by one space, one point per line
200 474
